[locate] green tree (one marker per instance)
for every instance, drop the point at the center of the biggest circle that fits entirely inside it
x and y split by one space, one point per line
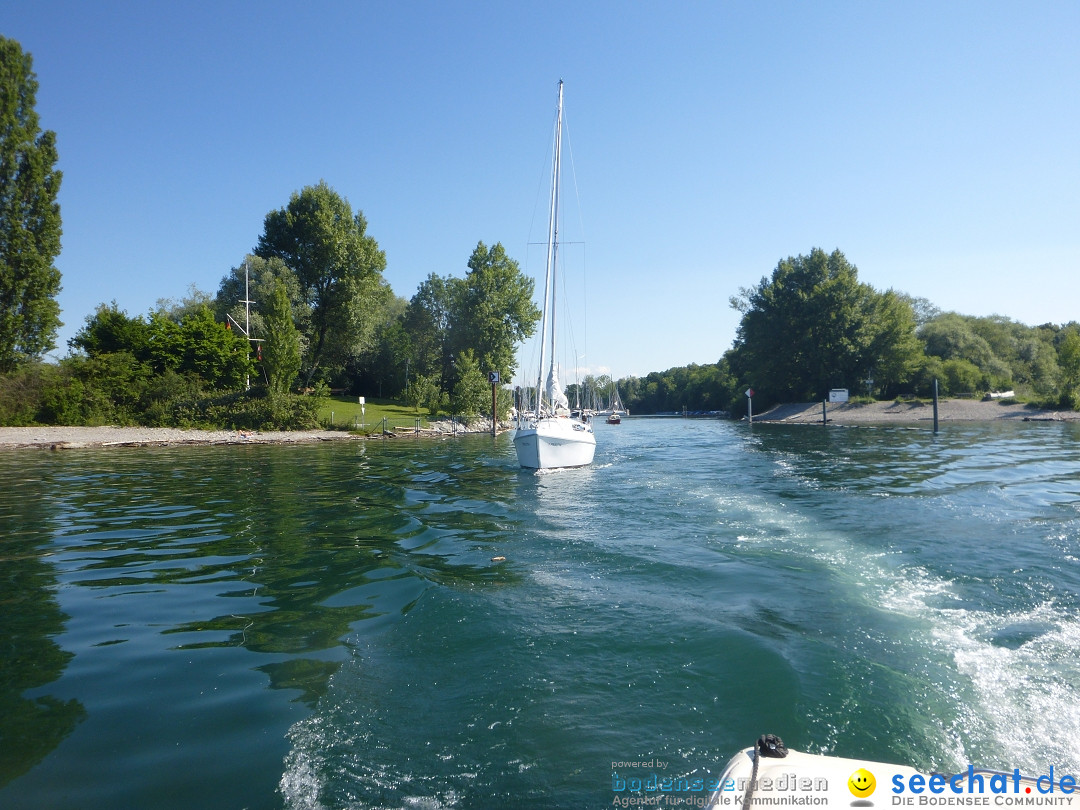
471 394
813 326
281 346
176 309
422 392
427 323
960 376
387 367
922 308
1069 363
954 337
338 268
111 330
202 346
631 392
493 311
29 216
895 350
255 280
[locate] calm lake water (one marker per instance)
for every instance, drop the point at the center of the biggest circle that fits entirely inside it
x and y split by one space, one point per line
323 626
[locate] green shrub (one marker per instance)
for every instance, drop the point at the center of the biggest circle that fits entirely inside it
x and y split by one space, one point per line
21 393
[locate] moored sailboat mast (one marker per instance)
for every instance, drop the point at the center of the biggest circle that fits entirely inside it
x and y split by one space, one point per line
550 269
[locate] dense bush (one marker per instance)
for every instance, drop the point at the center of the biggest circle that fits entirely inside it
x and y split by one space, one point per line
117 389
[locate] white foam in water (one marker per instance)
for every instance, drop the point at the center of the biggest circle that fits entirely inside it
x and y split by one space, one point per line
1028 703
1015 677
335 750
1020 708
300 783
306 765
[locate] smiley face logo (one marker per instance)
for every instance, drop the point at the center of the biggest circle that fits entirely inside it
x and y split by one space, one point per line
861 783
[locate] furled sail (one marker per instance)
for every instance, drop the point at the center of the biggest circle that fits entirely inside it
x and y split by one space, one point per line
555 393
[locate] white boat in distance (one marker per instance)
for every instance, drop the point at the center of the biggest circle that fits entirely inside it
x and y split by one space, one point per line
549 437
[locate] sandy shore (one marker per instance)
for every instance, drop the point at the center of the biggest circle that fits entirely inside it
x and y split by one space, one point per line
949 410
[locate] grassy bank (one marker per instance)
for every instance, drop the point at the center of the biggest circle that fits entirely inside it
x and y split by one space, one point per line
344 412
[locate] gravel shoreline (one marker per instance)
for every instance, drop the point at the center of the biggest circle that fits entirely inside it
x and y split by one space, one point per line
73 438
70 438
950 410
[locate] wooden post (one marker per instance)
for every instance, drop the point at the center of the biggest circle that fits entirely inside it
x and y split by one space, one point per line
824 412
935 405
493 378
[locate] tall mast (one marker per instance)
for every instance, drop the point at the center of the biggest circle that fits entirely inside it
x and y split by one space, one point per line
554 228
549 298
246 328
549 270
247 322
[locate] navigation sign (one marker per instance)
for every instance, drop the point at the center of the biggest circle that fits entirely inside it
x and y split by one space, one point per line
493 377
749 392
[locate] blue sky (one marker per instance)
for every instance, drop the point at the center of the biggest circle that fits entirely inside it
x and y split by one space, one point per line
936 144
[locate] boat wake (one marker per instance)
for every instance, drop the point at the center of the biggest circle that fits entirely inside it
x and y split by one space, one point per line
1016 695
983 667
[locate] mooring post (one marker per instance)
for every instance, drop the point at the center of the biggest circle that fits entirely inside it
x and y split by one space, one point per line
935 405
824 412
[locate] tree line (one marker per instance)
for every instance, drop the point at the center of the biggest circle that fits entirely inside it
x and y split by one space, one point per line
309 311
813 326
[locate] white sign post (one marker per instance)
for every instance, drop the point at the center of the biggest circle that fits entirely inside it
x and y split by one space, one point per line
750 405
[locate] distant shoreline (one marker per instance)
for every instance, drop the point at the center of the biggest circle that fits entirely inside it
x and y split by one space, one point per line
806 413
949 410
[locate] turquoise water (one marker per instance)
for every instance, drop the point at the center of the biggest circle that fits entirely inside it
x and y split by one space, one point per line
324 626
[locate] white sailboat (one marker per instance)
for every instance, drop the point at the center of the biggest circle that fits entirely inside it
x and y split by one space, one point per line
549 437
615 409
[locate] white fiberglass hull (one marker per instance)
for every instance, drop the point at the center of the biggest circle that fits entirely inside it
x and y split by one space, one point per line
555 442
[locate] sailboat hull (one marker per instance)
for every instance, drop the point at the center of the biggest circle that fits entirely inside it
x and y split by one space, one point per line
550 441
555 442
